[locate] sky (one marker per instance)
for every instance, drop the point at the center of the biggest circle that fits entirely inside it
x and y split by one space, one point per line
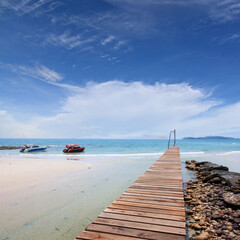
119 68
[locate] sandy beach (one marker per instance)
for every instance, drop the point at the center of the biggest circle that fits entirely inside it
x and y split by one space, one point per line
31 188
25 172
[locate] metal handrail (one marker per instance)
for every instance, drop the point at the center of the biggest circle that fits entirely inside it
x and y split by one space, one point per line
169 140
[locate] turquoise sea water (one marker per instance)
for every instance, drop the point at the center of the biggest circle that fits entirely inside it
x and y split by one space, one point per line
60 207
113 146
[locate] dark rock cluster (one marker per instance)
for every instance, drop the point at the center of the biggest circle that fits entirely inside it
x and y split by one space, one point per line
213 202
10 147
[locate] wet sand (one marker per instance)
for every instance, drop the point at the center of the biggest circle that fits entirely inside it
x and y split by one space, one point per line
21 172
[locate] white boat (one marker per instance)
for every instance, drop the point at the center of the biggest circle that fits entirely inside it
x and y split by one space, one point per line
32 148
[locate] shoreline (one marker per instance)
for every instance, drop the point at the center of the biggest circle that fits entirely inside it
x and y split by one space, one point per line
212 202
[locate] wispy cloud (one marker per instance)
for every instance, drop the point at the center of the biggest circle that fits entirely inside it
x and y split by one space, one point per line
220 11
108 40
225 11
70 41
234 37
23 7
110 58
39 72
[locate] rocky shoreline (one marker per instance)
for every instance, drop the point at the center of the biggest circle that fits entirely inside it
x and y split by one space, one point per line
10 147
212 202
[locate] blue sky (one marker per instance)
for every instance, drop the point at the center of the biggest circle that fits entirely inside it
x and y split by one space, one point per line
119 68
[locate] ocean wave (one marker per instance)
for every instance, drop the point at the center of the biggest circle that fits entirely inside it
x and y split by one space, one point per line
192 153
158 154
228 153
93 155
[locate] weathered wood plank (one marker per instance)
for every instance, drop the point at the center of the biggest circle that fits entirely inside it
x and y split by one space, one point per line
137 225
147 205
147 209
148 220
153 198
158 202
124 231
146 214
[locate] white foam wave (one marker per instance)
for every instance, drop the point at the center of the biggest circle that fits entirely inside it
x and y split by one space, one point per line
229 153
191 153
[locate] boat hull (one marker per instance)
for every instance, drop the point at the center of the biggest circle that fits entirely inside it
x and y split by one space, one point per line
33 150
73 150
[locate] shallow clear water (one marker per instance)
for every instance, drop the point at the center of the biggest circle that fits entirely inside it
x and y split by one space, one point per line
121 146
63 206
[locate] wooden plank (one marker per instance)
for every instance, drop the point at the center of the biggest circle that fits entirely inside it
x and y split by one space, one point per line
137 225
147 205
124 231
153 195
146 214
153 198
159 202
145 209
148 220
159 189
153 192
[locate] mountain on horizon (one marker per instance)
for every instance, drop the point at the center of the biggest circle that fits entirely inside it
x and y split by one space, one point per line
210 137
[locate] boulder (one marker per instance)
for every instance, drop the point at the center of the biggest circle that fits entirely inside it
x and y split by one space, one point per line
232 198
202 236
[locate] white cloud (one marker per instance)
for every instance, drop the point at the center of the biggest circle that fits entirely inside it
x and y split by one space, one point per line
117 109
11 128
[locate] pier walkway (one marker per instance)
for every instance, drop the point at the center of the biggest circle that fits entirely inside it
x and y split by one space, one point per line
151 208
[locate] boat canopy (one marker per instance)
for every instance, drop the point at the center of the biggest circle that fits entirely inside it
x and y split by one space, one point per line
72 145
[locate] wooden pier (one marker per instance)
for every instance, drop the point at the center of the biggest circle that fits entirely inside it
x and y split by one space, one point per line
151 208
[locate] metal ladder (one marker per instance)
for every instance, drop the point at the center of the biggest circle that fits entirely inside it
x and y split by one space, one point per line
169 140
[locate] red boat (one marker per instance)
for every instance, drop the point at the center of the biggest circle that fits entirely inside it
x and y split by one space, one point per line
73 148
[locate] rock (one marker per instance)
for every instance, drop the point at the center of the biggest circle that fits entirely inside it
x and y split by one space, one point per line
10 147
219 232
189 211
215 180
196 226
187 197
202 236
236 220
202 222
208 166
191 167
229 228
216 216
231 198
231 178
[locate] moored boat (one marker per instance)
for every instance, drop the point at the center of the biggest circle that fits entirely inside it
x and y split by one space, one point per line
73 148
32 148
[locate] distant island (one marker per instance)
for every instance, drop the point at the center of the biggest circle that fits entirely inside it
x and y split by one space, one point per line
211 137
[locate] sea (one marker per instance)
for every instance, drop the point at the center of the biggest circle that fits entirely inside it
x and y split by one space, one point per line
62 207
